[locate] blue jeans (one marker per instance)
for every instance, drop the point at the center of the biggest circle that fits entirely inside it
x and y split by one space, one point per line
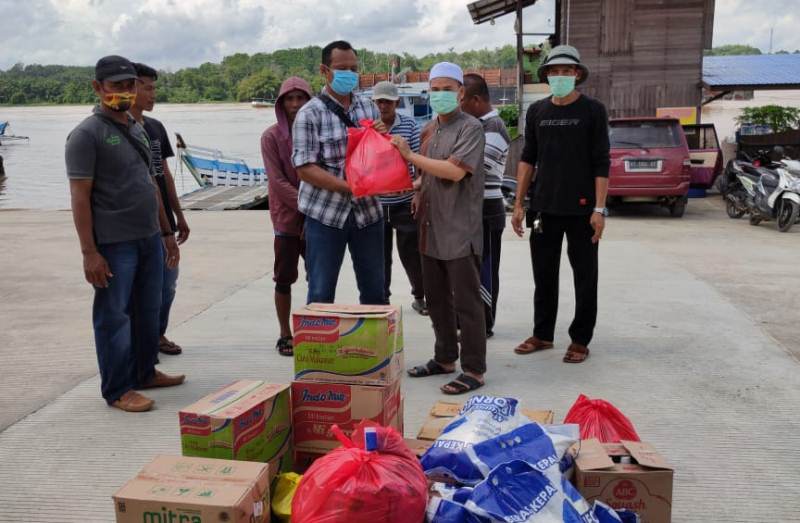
126 315
324 254
167 297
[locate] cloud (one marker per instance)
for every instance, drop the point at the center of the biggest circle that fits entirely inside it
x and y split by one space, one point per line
179 33
749 22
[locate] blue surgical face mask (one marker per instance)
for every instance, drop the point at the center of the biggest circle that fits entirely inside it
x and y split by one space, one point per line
344 81
561 86
444 102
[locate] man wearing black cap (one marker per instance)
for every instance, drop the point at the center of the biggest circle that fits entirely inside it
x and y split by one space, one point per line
123 232
565 163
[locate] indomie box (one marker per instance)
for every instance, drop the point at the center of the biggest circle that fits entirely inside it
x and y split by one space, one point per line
359 344
316 407
443 412
644 485
173 489
247 420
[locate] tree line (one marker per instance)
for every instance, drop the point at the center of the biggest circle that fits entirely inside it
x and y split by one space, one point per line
239 77
242 77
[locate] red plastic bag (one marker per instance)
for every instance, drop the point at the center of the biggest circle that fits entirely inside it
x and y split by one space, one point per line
372 164
602 420
353 485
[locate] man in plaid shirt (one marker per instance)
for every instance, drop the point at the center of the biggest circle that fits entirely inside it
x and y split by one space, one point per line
334 218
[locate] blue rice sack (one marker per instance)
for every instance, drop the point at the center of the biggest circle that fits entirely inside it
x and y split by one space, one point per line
488 432
518 492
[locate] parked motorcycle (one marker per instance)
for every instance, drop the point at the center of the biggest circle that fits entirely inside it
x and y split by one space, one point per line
764 189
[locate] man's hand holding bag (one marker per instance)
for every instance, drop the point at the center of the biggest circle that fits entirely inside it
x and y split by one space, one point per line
373 165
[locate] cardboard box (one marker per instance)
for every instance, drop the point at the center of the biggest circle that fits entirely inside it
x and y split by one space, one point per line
418 446
358 344
173 489
443 412
643 486
316 407
247 420
303 460
283 463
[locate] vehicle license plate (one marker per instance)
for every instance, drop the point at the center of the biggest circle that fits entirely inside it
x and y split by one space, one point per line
643 165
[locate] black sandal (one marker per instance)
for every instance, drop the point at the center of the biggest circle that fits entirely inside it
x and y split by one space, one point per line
285 346
463 383
429 369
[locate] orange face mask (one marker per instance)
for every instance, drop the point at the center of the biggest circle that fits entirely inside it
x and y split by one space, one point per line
119 101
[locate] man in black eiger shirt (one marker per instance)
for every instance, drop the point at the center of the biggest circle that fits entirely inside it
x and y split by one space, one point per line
566 155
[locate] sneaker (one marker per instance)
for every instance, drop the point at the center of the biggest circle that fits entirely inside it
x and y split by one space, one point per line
420 306
132 401
160 379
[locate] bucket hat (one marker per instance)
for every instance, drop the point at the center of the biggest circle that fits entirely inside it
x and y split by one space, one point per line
563 55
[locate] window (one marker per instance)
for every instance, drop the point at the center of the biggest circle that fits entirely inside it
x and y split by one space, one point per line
648 135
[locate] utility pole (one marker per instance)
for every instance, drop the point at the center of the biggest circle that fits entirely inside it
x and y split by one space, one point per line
771 31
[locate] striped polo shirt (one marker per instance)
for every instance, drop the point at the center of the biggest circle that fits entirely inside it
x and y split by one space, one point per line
494 154
406 127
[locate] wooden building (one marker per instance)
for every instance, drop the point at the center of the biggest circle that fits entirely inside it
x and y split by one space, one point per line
642 54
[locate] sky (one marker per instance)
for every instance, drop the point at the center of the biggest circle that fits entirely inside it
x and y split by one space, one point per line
171 34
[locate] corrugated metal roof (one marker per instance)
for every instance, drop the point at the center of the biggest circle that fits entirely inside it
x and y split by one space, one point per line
752 71
486 10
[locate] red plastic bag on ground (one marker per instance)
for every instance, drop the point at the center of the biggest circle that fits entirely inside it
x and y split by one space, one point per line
372 164
354 485
602 420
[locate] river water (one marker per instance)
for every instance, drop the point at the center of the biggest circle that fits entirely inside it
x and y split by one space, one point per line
35 177
35 173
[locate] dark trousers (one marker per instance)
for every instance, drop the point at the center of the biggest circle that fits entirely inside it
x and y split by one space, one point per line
494 221
492 240
126 315
546 256
452 288
167 296
398 218
325 248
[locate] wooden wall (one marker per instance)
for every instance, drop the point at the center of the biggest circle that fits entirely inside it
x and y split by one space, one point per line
642 54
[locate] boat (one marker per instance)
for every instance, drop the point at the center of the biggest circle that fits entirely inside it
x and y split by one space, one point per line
260 103
6 138
413 101
212 168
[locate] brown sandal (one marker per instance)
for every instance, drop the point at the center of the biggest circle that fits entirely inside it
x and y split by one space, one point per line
576 353
168 347
533 344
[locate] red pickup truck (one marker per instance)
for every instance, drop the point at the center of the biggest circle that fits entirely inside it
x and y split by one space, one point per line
649 163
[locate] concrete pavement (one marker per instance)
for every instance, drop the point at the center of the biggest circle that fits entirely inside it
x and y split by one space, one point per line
697 343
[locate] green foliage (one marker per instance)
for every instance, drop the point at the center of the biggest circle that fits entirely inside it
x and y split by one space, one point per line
239 77
731 50
261 84
779 118
509 114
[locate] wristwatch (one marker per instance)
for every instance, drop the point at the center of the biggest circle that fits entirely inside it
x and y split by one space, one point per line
601 210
